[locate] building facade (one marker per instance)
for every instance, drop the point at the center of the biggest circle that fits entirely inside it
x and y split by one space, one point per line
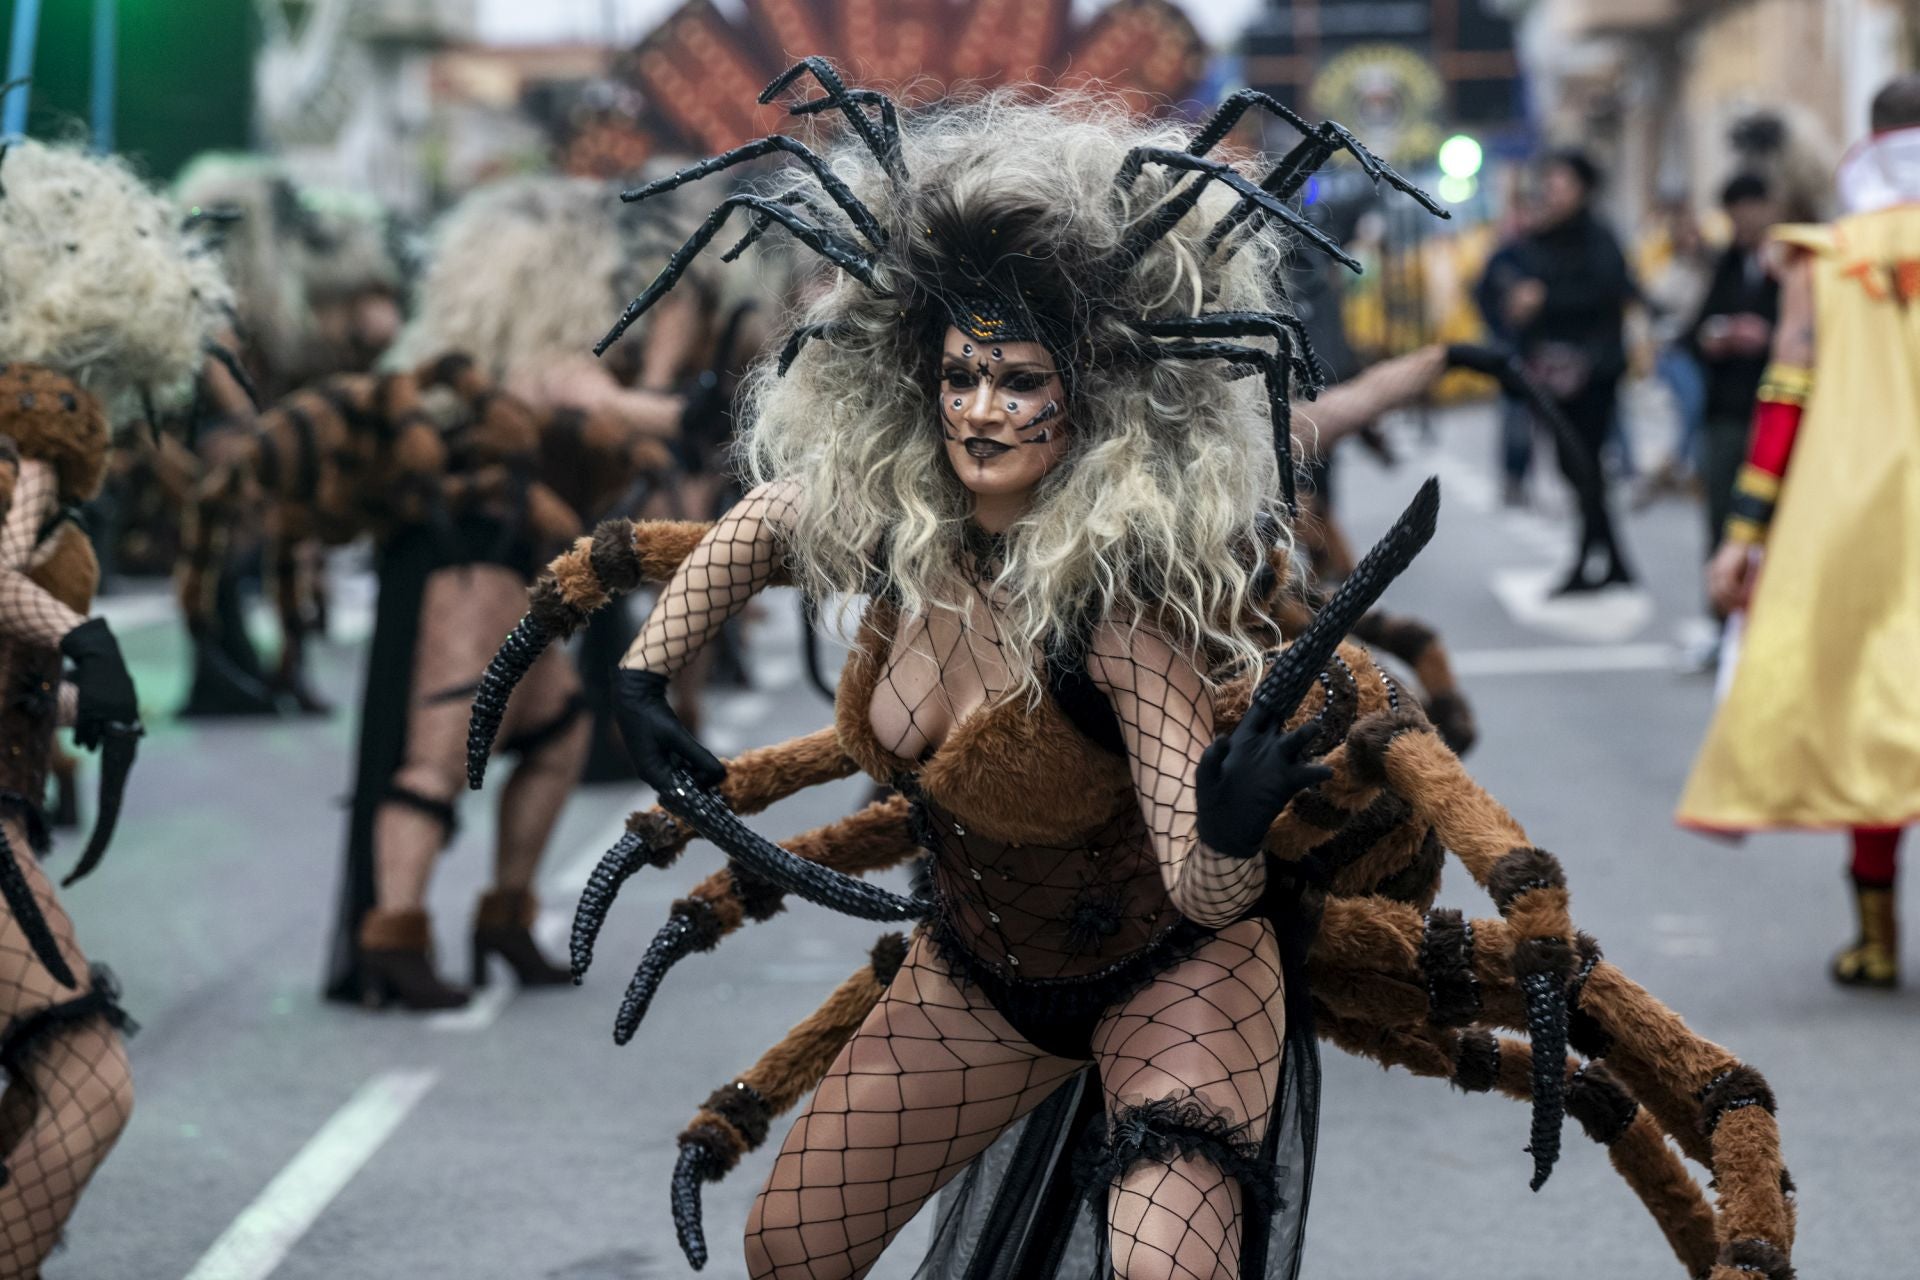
1657 89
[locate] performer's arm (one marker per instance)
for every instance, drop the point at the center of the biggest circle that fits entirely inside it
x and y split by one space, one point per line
736 558
1165 711
1776 424
28 612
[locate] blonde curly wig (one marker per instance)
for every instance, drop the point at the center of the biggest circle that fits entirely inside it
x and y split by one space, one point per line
1170 484
97 279
524 270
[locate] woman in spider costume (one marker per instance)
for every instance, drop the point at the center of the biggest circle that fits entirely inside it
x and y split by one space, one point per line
1017 432
102 305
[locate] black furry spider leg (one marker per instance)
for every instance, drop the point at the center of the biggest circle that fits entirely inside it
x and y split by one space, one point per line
518 652
1175 207
889 118
1279 406
842 194
1287 331
841 253
694 1167
888 154
629 854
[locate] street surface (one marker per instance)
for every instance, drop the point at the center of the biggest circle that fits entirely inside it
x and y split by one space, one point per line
278 1135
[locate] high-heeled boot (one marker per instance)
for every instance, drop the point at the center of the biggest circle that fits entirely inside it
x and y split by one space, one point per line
396 963
1874 959
503 926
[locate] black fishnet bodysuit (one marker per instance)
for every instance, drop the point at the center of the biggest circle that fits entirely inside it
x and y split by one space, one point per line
68 1090
1045 954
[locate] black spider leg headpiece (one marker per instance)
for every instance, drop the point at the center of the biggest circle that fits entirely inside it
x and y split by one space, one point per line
882 139
1317 145
1165 216
838 250
761 222
857 213
1273 367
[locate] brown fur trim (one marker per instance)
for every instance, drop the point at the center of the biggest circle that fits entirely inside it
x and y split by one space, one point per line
1599 1102
1476 1062
790 1070
1446 957
573 577
1522 871
1732 1089
1314 809
71 571
709 920
612 557
55 420
506 909
662 545
663 834
1757 1257
723 1144
743 1108
1368 744
759 900
889 953
1417 881
382 929
1541 955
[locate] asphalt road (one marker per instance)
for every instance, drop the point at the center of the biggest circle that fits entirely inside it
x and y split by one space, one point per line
518 1142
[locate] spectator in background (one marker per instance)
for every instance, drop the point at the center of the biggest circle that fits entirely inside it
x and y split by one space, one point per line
1503 271
1567 310
1677 274
1730 337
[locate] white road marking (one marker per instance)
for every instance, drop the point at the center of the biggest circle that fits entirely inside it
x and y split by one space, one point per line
257 1241
1608 616
1563 659
480 1012
1684 937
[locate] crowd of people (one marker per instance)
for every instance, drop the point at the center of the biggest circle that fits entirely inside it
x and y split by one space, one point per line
1028 377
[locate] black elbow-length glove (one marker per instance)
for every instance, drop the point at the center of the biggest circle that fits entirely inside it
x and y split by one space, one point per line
656 740
1246 777
107 695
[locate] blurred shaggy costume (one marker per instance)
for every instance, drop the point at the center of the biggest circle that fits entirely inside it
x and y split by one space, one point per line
103 308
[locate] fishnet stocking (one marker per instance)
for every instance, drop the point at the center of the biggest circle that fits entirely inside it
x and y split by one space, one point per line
1204 1036
734 560
68 1094
931 1079
28 613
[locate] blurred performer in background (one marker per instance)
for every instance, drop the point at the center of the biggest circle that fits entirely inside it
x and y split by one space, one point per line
101 304
1731 336
1565 305
1821 727
489 290
318 291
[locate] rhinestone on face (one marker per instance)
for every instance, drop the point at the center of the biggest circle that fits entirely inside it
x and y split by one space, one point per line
1013 960
974 872
993 917
959 830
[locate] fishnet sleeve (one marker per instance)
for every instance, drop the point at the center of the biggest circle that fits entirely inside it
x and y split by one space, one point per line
735 559
27 612
1165 711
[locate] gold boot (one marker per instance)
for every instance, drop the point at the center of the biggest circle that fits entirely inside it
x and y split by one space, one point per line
1874 960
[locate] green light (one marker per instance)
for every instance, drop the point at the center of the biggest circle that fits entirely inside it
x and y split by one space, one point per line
1460 156
1455 190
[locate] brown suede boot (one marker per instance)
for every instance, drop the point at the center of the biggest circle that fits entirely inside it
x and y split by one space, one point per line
396 963
1874 960
503 926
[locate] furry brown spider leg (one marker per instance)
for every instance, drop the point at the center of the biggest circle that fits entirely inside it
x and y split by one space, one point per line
1477 1061
736 1118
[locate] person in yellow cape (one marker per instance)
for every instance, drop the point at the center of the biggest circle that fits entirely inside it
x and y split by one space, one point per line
1820 727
